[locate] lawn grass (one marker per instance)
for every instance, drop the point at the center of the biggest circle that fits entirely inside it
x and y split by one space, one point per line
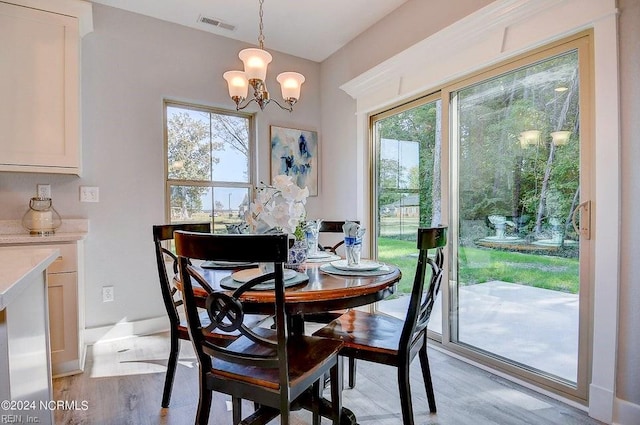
401 254
479 265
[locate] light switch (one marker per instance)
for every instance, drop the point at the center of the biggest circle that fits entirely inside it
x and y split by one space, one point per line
89 194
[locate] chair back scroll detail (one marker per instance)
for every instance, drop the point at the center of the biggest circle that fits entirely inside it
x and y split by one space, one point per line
225 310
226 313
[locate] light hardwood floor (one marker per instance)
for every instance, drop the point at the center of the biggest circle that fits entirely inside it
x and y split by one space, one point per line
123 380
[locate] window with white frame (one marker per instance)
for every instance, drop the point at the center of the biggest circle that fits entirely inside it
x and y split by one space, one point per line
209 173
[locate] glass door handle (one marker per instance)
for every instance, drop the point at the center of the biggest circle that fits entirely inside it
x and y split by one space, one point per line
584 228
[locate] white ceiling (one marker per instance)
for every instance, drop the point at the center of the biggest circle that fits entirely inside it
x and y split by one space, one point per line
310 29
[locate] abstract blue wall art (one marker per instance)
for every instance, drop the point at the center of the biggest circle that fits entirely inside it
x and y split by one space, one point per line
295 153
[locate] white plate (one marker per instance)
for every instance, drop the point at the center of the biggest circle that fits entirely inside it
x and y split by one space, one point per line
319 255
382 270
248 274
361 267
214 264
323 259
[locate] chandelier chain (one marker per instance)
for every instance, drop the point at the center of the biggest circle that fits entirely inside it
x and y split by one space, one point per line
261 36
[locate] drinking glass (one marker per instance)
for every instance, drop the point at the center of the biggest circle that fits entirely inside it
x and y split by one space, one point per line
312 229
353 248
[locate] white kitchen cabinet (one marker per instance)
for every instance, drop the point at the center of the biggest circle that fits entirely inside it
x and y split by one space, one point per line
66 324
65 288
25 368
63 317
40 84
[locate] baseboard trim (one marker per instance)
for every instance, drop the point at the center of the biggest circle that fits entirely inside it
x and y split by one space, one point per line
122 330
601 403
626 413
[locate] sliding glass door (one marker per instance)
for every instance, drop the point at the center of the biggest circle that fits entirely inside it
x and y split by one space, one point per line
520 247
407 146
504 159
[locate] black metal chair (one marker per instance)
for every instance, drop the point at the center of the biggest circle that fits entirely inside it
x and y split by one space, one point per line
387 340
271 368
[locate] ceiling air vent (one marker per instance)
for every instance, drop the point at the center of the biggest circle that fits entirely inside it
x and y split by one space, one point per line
216 23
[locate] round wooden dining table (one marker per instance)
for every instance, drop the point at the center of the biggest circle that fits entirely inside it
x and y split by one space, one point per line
323 292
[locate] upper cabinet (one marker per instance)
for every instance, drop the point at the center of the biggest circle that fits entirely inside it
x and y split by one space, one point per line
40 84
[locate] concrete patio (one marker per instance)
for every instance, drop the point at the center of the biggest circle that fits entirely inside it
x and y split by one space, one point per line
532 326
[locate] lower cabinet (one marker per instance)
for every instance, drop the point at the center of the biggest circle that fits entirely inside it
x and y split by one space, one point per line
63 323
66 322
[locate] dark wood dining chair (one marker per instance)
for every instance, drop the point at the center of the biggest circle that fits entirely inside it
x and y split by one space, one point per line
384 339
269 367
178 327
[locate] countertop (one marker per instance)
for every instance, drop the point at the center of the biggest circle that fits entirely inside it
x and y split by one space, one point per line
18 265
12 232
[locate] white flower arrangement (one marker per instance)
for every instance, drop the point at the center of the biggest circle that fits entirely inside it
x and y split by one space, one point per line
280 206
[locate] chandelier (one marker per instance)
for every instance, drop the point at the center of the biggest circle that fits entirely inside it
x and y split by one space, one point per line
255 72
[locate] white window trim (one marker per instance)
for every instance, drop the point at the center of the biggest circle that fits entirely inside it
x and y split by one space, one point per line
500 31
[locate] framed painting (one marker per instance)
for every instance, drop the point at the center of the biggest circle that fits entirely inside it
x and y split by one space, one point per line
294 152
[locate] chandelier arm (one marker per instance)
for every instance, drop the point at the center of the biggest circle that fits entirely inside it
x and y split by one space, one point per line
247 103
261 103
290 108
264 102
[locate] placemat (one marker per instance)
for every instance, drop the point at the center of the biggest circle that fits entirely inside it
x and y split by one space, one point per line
229 283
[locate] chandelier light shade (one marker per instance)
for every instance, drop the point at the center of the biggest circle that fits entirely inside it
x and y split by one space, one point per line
255 63
238 85
530 138
290 83
560 138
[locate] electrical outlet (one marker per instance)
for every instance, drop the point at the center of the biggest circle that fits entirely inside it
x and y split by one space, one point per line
107 294
89 194
43 190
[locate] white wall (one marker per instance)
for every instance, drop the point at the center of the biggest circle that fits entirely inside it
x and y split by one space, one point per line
628 376
129 64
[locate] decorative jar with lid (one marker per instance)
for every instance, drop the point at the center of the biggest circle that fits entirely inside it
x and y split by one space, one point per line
41 219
